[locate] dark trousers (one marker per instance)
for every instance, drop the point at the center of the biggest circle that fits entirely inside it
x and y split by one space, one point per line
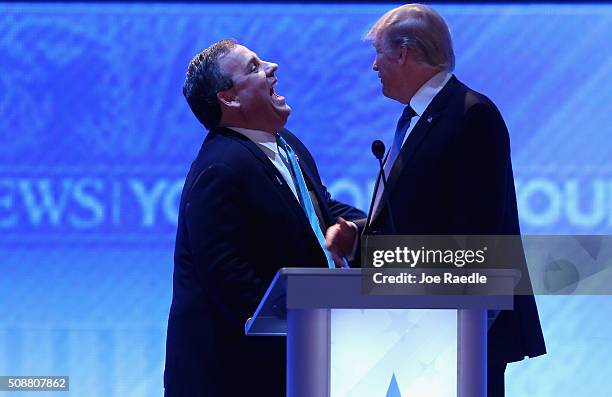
495 378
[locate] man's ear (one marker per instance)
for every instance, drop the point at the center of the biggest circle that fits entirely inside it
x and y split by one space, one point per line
403 55
228 98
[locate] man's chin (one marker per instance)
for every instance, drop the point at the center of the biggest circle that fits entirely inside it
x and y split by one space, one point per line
390 95
385 92
284 112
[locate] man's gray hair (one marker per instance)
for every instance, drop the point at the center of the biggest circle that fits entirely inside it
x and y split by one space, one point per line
420 29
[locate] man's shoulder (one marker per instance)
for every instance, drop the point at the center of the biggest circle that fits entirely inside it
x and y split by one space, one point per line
224 146
223 149
479 113
470 100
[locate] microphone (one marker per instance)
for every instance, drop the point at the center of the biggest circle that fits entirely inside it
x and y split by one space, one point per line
378 150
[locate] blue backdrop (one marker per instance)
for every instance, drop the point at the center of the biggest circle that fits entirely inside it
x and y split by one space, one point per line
96 139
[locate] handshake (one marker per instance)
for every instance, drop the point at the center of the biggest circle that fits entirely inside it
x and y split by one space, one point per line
341 241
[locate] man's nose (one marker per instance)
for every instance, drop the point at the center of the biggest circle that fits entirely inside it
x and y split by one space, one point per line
271 67
374 66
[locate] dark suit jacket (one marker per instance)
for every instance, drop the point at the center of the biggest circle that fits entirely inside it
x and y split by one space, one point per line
238 224
453 176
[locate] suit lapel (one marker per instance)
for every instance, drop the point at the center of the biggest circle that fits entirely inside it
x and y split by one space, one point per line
321 201
277 179
425 123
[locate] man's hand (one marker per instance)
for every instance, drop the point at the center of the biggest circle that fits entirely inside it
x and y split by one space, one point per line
340 240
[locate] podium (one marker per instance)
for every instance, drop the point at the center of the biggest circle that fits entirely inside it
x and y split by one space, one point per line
298 305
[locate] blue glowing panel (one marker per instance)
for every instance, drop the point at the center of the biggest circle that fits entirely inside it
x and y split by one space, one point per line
401 352
96 139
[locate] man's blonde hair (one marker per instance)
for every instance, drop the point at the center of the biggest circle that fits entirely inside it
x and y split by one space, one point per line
420 29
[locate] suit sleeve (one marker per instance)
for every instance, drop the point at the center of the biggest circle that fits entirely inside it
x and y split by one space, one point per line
218 232
346 211
482 161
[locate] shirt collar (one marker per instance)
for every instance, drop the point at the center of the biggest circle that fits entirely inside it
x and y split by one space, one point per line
428 91
261 138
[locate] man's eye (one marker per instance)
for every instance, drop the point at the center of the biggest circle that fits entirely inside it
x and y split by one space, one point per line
254 68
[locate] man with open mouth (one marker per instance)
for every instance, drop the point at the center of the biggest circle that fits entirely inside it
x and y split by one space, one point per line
253 202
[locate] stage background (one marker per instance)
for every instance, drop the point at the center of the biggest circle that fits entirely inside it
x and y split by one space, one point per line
96 139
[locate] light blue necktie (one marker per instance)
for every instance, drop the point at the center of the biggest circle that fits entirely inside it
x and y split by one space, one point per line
304 196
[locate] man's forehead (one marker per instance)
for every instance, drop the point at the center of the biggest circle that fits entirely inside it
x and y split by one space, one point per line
243 51
237 57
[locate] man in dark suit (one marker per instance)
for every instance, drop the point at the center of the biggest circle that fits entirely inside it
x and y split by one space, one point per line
448 170
253 202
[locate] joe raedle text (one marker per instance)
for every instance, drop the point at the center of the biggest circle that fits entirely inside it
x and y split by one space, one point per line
427 278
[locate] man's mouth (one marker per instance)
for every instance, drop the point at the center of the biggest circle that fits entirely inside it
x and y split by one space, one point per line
279 99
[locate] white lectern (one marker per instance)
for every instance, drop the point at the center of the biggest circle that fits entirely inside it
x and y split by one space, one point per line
298 301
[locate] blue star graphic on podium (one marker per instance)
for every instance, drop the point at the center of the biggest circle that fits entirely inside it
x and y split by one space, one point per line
393 390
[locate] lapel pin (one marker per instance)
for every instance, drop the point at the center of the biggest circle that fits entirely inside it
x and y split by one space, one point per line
429 119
